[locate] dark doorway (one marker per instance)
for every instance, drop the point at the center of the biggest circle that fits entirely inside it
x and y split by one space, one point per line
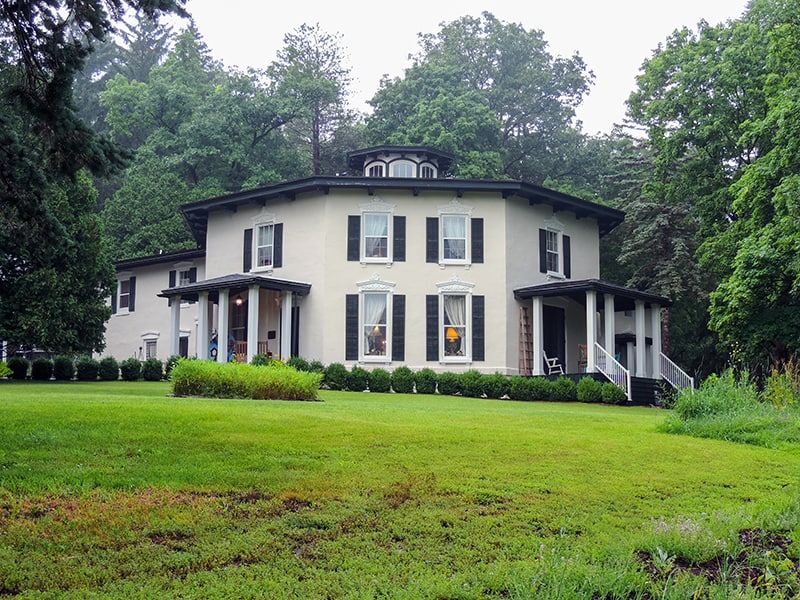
555 333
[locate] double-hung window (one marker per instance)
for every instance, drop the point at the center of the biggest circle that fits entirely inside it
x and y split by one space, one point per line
375 227
455 332
124 298
374 324
454 238
552 253
265 245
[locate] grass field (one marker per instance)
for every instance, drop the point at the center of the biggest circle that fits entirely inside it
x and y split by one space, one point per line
117 490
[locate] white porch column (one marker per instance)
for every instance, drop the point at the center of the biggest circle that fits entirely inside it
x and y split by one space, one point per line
224 326
655 325
608 318
591 329
175 326
286 325
538 336
641 340
202 326
252 322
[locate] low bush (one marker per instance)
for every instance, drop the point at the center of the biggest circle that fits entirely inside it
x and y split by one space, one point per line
380 381
130 369
239 380
425 381
589 390
496 385
19 367
41 369
152 370
316 366
170 363
260 360
87 369
448 383
109 369
63 368
4 370
520 388
403 380
299 363
564 389
357 379
541 388
472 383
335 376
611 393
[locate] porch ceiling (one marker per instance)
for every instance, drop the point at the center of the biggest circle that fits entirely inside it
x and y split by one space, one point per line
624 297
235 283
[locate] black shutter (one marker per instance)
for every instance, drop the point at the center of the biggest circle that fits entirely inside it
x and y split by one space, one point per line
172 277
432 327
354 237
132 301
477 241
351 327
478 328
542 251
247 251
398 327
193 275
567 257
277 245
399 250
295 345
114 298
432 240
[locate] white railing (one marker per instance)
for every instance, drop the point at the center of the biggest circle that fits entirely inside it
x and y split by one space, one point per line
674 375
612 369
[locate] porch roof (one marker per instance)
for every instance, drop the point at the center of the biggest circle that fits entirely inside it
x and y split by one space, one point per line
624 297
235 282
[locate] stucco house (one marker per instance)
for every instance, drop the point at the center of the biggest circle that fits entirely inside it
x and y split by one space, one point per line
401 265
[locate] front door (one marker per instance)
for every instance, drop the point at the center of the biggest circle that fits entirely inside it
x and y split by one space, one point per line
555 337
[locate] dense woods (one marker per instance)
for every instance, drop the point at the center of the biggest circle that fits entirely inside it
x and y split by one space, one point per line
110 119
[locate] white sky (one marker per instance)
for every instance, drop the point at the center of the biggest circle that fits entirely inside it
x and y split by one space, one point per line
614 37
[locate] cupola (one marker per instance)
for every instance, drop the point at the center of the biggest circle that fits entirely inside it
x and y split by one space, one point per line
414 162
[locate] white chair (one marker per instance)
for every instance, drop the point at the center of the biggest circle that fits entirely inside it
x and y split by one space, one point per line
553 366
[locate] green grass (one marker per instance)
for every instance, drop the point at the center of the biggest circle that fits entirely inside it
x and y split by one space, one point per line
115 490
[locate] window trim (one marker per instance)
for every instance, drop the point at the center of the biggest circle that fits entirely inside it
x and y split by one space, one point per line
377 207
405 163
375 286
554 226
256 230
456 287
456 209
122 277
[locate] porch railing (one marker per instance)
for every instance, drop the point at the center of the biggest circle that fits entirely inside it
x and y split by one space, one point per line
240 350
612 369
674 375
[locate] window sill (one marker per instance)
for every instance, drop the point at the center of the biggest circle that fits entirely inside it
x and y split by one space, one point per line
456 360
554 275
376 261
455 263
264 270
375 360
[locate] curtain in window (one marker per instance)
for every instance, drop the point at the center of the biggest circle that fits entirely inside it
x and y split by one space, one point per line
455 322
264 245
376 235
374 315
454 237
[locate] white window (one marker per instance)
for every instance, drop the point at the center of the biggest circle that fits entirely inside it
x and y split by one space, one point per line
264 245
375 227
455 330
402 169
553 255
184 277
454 238
375 171
150 349
427 172
124 298
374 325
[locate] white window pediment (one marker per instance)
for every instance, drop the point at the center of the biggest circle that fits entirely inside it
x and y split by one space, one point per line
151 335
553 224
377 205
375 284
455 208
455 286
263 217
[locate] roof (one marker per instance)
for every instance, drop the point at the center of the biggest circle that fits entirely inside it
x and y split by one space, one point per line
357 158
235 282
157 259
624 297
196 213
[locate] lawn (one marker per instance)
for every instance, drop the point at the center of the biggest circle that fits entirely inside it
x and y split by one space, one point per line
115 490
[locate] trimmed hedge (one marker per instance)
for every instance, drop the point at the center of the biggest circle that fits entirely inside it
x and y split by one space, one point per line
41 369
425 381
589 390
109 369
336 376
496 385
403 380
380 381
472 383
613 394
564 389
449 384
130 369
240 380
357 379
152 370
87 369
19 367
63 368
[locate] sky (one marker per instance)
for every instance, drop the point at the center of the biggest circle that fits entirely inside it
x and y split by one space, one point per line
614 37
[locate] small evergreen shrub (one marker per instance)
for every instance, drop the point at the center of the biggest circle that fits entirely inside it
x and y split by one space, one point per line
496 385
109 369
335 377
357 379
564 389
589 390
541 388
87 369
403 380
380 381
448 383
611 393
472 383
425 381
41 369
260 360
152 370
130 369
19 367
170 363
316 366
520 388
299 363
63 368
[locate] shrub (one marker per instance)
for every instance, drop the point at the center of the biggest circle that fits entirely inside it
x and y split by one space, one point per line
425 381
109 369
316 366
19 367
357 379
240 380
403 380
611 393
4 370
589 390
299 363
152 370
380 381
41 369
449 384
520 388
336 376
170 363
260 360
564 389
130 369
496 385
541 388
472 383
63 368
87 369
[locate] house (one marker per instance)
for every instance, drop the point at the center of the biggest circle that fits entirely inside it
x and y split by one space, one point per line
402 265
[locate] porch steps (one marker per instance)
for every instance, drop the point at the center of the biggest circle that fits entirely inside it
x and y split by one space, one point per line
643 391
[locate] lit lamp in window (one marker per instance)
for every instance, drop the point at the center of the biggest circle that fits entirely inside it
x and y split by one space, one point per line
453 341
376 344
238 301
